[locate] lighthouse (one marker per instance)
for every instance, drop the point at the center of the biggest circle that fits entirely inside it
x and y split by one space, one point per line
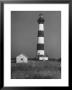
40 39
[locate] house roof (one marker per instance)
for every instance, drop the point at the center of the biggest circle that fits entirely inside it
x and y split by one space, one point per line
22 55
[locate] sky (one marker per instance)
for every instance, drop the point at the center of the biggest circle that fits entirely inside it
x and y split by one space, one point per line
24 29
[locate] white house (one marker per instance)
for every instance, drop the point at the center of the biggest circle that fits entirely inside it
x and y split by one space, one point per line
21 59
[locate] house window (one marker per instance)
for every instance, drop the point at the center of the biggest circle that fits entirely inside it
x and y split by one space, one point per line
21 58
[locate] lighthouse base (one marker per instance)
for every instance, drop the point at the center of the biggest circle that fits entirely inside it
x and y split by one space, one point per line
44 58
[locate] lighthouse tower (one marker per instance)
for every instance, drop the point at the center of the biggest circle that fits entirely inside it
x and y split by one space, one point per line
40 42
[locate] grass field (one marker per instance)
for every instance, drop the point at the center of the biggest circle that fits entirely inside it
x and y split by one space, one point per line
36 70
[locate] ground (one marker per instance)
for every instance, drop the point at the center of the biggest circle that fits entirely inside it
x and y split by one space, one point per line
36 70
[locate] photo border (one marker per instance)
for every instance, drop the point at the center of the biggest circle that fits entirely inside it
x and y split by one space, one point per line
64 8
2 31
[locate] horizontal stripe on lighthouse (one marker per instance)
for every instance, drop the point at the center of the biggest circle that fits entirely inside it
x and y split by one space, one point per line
41 27
40 52
40 46
40 40
40 33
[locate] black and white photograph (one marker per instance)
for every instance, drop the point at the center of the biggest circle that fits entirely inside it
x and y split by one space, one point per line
36 44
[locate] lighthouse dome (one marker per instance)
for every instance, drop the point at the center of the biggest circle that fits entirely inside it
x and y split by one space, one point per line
41 18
